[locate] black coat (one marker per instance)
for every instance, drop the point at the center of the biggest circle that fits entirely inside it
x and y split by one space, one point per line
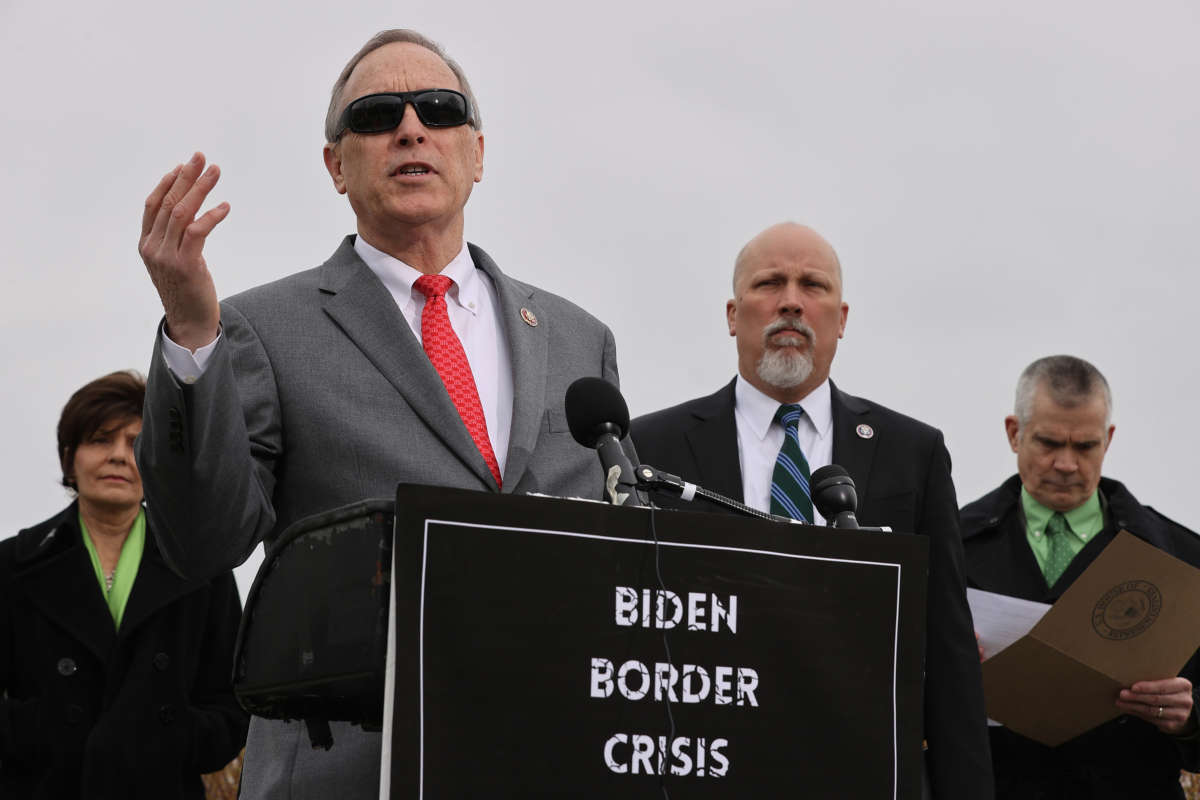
87 711
1125 757
902 474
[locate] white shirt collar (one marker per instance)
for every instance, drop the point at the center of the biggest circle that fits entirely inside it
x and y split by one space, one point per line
399 277
758 410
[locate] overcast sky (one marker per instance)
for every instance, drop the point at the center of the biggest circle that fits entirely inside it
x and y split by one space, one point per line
1002 183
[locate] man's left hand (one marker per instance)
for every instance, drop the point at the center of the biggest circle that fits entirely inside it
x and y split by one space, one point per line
1166 704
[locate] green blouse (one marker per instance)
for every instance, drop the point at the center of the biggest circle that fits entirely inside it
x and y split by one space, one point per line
127 566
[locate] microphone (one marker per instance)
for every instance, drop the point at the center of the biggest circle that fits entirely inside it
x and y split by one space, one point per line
599 419
834 496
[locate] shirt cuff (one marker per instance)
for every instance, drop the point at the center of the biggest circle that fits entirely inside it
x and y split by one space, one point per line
185 365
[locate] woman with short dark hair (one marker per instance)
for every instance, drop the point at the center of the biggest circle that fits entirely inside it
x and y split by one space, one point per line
114 671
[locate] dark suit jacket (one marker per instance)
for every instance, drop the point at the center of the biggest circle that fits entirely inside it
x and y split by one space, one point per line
90 711
1126 757
902 475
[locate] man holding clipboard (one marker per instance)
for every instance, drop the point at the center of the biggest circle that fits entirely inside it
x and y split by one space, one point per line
1032 538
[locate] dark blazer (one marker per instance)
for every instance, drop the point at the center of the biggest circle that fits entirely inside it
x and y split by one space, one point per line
89 711
1125 757
902 476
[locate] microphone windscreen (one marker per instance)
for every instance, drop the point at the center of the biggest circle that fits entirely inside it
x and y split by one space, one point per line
828 471
833 491
594 406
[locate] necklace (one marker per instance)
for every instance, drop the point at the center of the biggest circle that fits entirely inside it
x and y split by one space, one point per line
108 580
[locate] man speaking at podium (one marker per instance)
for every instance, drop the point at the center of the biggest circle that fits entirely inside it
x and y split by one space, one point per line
408 356
1032 538
759 437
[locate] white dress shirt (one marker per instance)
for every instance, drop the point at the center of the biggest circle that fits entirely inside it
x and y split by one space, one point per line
472 306
760 437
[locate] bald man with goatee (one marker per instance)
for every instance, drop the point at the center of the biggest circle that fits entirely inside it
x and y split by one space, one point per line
761 435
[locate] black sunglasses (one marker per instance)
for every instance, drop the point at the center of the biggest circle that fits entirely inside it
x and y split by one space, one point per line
376 113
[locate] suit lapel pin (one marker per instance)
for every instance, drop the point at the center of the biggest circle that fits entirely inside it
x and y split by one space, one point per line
864 431
529 318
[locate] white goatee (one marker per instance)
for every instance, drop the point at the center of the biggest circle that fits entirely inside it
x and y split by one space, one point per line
782 367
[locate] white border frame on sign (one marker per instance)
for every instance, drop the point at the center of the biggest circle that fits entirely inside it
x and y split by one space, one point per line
390 687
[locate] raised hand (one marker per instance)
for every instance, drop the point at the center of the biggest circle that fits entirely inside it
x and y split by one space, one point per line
172 245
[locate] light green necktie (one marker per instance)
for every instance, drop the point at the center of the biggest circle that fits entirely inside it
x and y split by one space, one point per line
1059 558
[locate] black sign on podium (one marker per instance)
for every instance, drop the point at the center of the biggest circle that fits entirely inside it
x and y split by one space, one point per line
558 648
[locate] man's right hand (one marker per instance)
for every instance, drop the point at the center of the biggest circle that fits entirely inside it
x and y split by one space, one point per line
172 247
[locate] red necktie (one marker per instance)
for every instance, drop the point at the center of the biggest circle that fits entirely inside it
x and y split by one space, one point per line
446 353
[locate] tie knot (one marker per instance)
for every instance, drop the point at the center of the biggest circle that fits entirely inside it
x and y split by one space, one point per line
1057 525
789 415
433 285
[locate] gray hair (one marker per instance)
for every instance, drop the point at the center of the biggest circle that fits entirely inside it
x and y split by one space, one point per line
1070 382
389 37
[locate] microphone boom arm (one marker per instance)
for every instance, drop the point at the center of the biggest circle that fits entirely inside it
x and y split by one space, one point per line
648 478
651 479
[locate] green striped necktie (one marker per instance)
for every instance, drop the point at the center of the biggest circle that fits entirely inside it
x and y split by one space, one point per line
790 492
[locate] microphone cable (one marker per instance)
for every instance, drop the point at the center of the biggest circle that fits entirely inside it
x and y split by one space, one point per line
658 610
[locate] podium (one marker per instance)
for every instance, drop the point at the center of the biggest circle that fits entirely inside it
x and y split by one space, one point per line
518 646
313 636
542 647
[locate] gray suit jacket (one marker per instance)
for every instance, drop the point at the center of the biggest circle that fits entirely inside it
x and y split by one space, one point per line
319 395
